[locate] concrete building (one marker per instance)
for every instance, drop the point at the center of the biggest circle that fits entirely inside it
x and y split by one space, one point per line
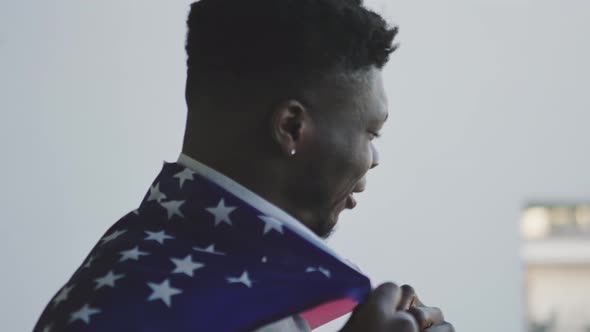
556 253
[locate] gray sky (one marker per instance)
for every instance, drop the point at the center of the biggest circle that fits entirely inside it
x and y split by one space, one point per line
489 109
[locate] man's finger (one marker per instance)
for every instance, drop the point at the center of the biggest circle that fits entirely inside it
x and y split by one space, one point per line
386 297
427 316
375 313
444 327
418 303
408 298
403 322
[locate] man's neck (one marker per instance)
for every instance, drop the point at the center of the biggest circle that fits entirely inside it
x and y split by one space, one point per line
252 173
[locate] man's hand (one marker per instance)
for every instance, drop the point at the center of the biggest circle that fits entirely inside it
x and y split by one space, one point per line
429 319
379 313
390 308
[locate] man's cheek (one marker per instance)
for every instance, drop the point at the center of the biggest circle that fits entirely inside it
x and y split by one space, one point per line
362 163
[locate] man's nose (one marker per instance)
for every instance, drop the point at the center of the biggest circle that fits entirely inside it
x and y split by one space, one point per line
375 161
360 186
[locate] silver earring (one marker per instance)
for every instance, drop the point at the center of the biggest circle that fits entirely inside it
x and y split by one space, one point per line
292 152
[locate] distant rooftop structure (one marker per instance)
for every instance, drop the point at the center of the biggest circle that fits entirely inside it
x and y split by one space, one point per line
556 233
541 221
556 259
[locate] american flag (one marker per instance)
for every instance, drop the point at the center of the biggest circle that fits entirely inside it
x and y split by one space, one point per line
195 257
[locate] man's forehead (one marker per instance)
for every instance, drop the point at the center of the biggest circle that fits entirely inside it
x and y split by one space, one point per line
361 92
376 97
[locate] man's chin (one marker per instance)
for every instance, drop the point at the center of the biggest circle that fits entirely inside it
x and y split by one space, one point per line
323 225
329 233
326 229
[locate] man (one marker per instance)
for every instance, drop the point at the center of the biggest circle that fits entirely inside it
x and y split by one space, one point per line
284 99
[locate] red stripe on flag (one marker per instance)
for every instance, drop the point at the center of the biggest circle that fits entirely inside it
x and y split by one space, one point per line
328 311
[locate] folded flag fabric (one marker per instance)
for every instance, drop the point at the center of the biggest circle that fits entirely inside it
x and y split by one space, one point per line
195 257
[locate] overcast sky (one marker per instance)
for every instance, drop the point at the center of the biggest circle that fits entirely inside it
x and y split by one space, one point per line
489 109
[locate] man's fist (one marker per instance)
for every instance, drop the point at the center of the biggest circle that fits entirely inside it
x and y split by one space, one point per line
379 313
390 308
429 319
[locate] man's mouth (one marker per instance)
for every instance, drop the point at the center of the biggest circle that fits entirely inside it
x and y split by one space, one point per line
350 201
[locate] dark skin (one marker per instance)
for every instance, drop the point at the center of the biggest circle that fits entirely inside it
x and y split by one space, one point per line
332 138
396 309
309 155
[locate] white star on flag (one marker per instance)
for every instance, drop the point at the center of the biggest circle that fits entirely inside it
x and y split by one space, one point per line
62 295
84 314
243 279
320 269
107 280
326 272
173 208
186 265
162 291
156 194
158 236
89 261
47 328
210 250
186 174
270 224
132 254
221 212
113 235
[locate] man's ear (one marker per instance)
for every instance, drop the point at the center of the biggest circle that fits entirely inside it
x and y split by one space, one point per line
290 122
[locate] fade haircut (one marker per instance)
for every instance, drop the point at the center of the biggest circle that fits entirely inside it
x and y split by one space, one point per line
280 42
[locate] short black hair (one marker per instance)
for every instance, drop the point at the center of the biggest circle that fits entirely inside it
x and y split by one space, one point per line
302 37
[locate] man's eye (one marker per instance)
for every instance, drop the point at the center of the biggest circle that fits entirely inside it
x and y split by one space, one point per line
374 134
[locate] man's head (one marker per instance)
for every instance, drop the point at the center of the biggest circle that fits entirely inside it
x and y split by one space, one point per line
285 97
